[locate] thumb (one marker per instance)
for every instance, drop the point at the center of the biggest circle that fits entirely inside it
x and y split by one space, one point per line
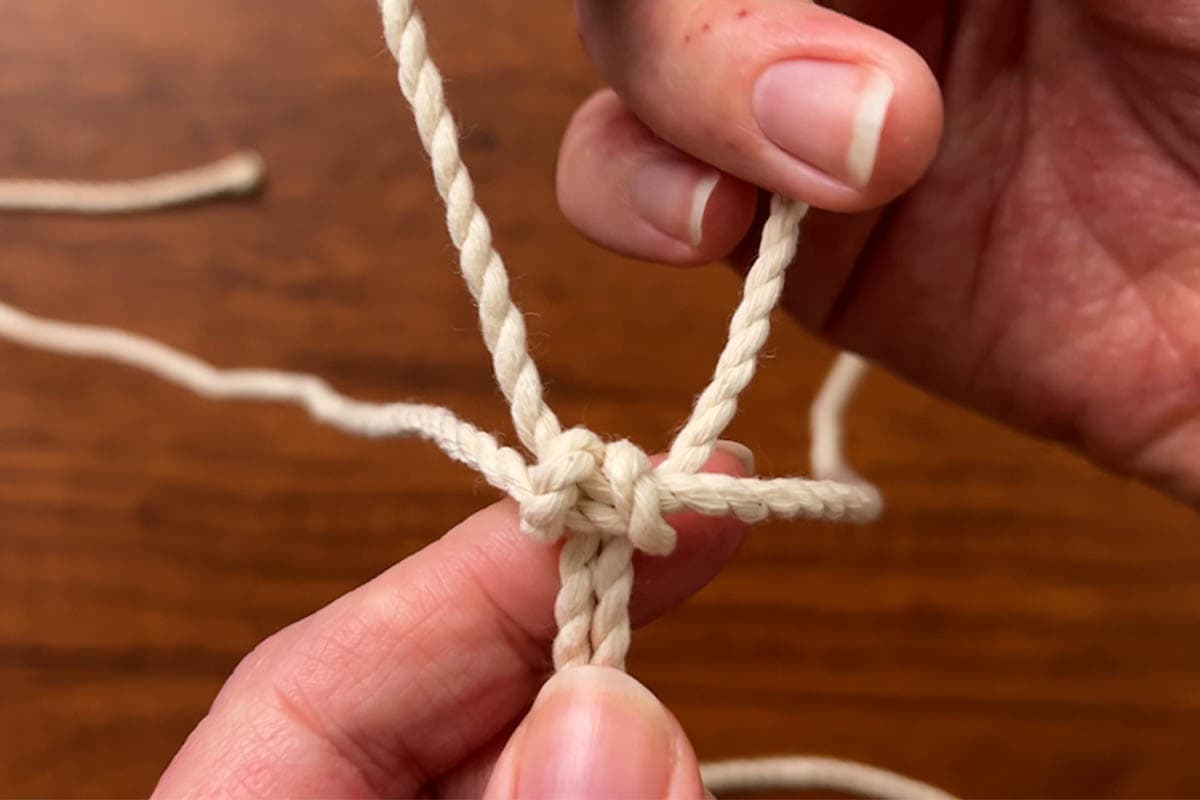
595 732
789 96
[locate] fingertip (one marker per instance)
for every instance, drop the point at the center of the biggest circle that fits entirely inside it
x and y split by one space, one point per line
909 128
595 732
740 452
727 218
793 97
847 135
630 192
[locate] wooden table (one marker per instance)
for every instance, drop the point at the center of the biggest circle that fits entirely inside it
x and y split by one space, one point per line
1020 625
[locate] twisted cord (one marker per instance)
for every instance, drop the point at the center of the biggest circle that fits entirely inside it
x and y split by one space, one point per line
827 420
574 469
607 495
748 331
812 773
751 500
239 173
482 267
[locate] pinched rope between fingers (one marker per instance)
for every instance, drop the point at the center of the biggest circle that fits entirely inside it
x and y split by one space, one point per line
606 500
611 485
607 495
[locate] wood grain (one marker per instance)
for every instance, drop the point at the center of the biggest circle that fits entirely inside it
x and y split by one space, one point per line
1020 625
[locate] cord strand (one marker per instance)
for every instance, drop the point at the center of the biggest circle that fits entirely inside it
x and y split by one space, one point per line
605 499
812 773
240 173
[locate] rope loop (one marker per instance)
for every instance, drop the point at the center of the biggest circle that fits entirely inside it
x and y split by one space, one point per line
611 488
610 497
631 485
566 461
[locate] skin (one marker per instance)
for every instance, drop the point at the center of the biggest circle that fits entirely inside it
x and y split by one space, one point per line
1043 268
414 683
1028 244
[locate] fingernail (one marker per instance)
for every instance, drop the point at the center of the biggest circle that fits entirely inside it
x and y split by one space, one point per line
828 114
595 732
672 195
739 451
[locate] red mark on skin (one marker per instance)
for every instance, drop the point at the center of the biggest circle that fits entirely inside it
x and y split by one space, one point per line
687 39
743 14
707 27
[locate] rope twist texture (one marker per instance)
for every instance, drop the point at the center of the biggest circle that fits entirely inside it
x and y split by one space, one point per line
605 500
608 495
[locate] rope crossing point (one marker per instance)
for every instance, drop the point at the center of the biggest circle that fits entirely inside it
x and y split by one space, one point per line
604 499
610 488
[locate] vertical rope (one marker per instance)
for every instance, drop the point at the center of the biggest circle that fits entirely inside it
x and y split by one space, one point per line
481 265
607 495
748 331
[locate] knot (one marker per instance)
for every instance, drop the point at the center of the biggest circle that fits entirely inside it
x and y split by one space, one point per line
582 483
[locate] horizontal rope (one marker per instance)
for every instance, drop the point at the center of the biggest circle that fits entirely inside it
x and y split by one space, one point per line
750 499
812 773
239 173
605 497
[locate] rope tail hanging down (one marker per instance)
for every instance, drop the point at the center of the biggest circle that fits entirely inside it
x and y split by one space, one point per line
604 499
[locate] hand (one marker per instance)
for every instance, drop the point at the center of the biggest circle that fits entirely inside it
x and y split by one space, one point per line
1045 269
412 684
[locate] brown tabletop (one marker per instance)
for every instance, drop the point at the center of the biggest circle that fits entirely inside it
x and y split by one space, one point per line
1019 625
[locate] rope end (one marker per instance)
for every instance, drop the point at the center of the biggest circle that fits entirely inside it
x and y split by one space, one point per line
243 172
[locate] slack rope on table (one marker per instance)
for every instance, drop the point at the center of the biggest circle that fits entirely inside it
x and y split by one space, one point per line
240 173
605 499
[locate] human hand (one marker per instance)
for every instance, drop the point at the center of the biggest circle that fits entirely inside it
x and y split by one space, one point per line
412 684
1045 269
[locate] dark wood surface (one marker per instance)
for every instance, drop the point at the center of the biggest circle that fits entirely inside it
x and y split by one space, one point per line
1019 625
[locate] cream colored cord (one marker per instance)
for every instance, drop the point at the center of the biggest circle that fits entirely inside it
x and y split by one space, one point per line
812 773
239 173
605 499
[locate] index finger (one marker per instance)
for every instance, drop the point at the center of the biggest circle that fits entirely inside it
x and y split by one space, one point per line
786 95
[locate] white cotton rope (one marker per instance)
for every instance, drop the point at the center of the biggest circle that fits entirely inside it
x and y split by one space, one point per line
604 498
796 773
239 173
